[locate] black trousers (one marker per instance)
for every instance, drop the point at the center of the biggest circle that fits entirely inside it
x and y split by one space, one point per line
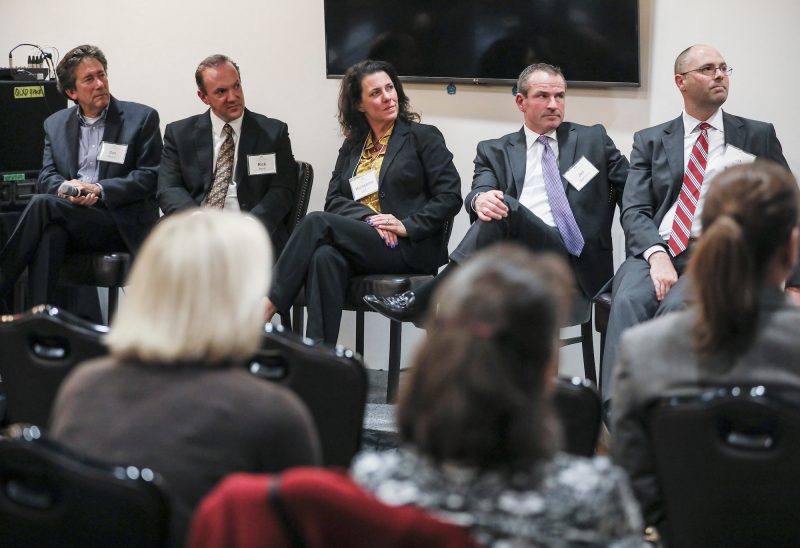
520 226
48 228
324 251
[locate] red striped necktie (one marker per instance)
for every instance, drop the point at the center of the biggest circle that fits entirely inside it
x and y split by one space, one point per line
690 193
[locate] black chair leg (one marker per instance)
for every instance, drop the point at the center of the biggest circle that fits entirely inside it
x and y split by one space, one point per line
113 300
298 318
395 340
587 344
602 349
360 332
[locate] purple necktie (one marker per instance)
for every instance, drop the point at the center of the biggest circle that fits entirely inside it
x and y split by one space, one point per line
562 213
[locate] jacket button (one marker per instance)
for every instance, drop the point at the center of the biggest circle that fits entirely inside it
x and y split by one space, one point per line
383 195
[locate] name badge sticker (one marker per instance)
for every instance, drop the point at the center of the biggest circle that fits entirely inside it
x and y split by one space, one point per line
113 153
261 164
734 156
364 185
581 173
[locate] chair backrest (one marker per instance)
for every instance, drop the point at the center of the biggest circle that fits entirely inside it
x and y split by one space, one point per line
50 496
727 466
39 349
313 508
332 382
578 407
305 179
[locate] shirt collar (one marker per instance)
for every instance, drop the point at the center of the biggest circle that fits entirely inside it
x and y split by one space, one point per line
531 136
85 122
690 123
218 123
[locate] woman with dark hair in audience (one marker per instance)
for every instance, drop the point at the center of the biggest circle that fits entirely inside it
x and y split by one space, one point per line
174 395
393 190
740 327
479 441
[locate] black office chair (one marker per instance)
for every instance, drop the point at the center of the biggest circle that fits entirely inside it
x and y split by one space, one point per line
51 497
332 382
577 404
40 348
109 270
727 466
582 316
384 285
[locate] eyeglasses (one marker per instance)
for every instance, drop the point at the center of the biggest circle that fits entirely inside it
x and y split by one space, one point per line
710 70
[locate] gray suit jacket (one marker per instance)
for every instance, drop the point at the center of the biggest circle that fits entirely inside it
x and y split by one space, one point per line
500 165
129 188
657 166
187 169
656 359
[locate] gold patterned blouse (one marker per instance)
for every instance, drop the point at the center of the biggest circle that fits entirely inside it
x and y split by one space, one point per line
372 159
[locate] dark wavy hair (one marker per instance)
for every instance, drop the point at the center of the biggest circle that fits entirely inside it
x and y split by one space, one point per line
749 214
65 71
477 388
353 123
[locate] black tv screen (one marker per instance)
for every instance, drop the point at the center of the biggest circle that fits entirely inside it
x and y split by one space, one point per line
595 42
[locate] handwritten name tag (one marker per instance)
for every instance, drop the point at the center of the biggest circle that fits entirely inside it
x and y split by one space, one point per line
581 173
363 185
113 153
261 164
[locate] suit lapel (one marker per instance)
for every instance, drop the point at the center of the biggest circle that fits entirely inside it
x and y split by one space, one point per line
396 143
734 132
567 143
204 144
247 143
518 158
73 136
114 120
672 141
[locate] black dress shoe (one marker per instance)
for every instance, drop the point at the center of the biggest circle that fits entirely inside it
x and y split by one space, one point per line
400 308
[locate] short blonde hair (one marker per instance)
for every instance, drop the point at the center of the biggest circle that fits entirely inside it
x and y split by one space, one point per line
196 291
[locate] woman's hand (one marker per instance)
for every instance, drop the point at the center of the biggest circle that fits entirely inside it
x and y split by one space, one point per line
389 227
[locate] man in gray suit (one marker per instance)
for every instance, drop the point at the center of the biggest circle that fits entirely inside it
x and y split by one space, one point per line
551 186
661 205
98 179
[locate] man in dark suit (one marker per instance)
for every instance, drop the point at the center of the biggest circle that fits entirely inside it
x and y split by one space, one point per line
658 221
260 175
550 186
97 183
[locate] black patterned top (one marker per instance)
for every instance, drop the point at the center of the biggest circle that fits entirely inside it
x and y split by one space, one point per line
568 501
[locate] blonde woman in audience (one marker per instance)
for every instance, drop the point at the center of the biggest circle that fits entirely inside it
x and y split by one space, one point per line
741 328
479 442
174 395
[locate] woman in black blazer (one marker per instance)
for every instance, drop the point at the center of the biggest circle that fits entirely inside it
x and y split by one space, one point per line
392 192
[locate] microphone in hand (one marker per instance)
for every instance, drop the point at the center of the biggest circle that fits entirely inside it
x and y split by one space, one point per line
68 189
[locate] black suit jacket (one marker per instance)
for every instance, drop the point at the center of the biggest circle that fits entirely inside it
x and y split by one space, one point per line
187 169
500 165
418 184
657 168
128 188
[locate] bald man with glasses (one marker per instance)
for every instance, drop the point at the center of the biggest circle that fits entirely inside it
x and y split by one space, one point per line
671 165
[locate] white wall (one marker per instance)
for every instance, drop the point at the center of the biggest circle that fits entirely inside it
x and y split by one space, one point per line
154 46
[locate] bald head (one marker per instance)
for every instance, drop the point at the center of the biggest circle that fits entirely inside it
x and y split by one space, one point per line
683 62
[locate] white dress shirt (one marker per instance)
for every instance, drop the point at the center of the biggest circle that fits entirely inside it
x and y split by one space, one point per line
714 164
534 193
217 124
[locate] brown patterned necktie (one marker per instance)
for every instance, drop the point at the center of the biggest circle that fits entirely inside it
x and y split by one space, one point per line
223 172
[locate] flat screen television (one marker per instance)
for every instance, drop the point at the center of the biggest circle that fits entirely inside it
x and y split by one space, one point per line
595 42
